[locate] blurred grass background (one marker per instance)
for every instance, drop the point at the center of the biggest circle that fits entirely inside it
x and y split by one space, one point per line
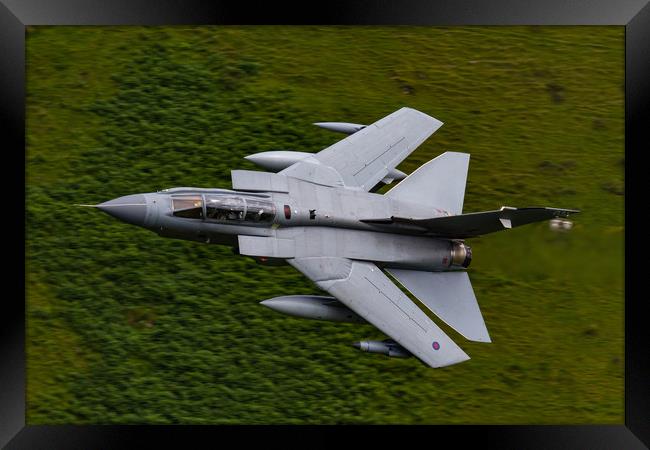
124 326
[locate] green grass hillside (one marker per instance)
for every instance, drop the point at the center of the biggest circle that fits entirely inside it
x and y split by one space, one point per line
124 326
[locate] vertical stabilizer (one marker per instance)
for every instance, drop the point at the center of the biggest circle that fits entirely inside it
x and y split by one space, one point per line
440 183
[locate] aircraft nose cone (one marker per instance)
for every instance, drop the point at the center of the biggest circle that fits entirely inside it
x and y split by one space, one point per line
130 208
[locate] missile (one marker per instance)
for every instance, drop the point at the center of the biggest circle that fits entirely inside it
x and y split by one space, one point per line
277 160
313 307
341 127
386 347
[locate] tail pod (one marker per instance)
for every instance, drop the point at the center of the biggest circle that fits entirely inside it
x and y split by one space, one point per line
440 183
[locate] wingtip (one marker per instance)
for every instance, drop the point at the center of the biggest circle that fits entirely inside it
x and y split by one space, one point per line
437 123
453 355
452 361
459 359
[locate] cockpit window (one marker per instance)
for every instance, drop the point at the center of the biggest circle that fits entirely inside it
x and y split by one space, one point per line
220 207
229 208
259 210
190 206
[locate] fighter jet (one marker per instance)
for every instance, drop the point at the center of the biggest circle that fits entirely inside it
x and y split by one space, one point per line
319 213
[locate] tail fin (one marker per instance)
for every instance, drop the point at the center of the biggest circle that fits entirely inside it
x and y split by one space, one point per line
440 183
450 296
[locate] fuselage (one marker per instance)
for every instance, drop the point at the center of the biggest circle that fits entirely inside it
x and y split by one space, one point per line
319 220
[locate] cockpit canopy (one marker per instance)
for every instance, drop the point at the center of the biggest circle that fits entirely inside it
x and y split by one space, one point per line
190 206
223 208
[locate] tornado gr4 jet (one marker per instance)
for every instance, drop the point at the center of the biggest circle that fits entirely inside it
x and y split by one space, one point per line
318 213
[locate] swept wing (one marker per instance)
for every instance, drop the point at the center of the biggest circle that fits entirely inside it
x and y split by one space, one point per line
366 290
363 159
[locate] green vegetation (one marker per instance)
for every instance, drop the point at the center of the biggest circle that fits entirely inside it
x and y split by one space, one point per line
125 326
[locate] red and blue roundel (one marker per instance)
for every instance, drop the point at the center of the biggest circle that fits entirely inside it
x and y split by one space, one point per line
435 345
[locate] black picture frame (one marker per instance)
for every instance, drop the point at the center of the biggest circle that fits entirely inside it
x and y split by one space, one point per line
15 15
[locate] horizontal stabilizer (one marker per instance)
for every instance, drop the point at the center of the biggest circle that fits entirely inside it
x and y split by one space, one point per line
478 223
440 183
450 296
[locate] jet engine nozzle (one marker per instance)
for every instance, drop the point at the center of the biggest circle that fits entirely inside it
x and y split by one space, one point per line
461 254
386 347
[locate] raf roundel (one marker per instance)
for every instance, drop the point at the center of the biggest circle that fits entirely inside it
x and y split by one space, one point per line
435 345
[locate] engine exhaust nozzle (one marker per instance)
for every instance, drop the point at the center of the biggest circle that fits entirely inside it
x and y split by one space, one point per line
461 254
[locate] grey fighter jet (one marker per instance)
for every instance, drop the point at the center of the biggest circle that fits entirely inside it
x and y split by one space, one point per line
318 213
